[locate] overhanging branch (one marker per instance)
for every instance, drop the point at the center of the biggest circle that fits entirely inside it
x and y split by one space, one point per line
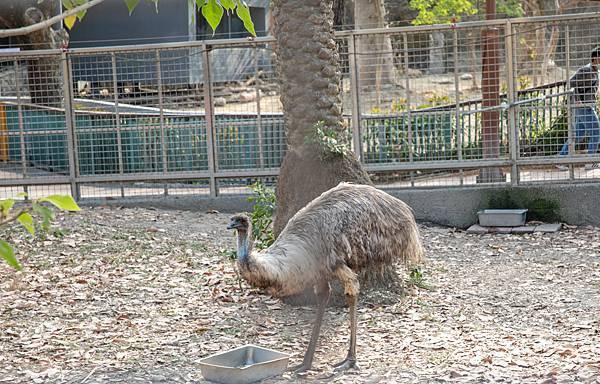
47 23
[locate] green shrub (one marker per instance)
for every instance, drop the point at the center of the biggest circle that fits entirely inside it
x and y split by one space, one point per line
262 215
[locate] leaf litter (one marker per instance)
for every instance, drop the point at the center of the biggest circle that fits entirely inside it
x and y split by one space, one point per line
141 295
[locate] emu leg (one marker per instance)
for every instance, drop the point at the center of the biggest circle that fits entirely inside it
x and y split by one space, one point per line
350 360
351 287
323 296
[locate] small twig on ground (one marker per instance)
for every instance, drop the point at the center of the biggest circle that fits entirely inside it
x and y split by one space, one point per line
90 374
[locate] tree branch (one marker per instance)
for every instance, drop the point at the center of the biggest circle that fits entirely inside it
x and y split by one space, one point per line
15 216
47 23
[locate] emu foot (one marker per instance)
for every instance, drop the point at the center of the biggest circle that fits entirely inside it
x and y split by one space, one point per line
346 364
300 368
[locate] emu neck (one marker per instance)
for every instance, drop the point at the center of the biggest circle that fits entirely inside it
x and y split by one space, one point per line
244 244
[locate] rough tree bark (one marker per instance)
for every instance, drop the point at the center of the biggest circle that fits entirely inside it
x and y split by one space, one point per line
437 42
307 62
490 92
308 66
376 60
339 11
44 72
473 61
550 47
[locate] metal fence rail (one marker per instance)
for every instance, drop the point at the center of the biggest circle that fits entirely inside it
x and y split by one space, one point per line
430 106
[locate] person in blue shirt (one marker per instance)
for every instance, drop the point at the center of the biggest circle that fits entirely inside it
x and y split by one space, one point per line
584 85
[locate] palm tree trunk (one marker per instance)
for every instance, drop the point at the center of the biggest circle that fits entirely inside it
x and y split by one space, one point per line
376 59
308 65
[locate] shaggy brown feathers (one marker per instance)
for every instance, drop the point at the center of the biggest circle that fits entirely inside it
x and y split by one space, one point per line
350 224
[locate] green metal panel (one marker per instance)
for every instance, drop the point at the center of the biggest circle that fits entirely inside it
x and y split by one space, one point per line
141 142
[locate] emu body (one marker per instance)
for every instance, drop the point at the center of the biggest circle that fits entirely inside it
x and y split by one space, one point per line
334 237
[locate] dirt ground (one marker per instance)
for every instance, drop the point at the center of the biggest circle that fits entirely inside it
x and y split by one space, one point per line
141 295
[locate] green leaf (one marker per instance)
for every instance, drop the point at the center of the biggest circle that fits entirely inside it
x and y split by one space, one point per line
6 205
81 14
70 21
8 254
46 214
64 202
229 5
68 4
243 12
131 4
212 12
22 194
27 222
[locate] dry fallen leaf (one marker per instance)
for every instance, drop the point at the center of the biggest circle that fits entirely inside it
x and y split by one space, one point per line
145 294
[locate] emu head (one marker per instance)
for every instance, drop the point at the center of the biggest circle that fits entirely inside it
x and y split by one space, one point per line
240 222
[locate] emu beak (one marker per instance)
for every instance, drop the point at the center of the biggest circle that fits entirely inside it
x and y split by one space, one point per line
232 225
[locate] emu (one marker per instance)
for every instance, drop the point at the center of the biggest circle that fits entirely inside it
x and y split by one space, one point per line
335 236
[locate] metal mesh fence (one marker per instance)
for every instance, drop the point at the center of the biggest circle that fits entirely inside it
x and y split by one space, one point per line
463 104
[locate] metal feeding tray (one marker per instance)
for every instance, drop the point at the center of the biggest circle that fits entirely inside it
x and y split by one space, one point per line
242 365
502 217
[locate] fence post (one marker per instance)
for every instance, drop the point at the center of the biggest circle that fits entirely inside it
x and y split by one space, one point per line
259 128
411 154
355 94
117 117
163 141
209 118
568 88
70 126
21 126
513 131
459 132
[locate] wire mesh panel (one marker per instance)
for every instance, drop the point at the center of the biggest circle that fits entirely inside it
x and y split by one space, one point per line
557 113
152 117
197 187
452 105
143 189
435 178
483 116
345 62
541 85
248 120
242 186
33 135
445 102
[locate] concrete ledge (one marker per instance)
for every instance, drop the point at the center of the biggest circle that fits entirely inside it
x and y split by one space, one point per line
477 229
576 204
228 204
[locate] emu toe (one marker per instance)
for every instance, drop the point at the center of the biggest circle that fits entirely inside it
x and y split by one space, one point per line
300 368
345 364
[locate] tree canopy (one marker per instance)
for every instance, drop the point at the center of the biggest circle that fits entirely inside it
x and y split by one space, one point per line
449 11
441 11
